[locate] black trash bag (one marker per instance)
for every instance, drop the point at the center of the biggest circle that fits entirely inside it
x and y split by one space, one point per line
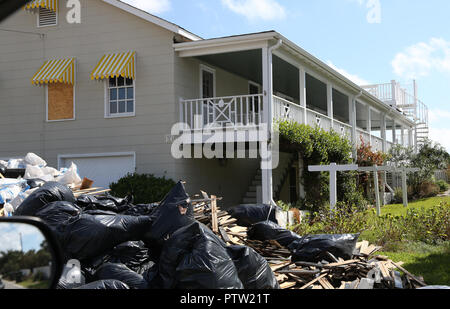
133 254
141 210
106 203
87 236
57 213
105 285
50 192
254 271
35 183
268 230
174 212
195 258
247 215
313 248
111 271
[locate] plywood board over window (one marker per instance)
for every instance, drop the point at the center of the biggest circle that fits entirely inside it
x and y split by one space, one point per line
60 104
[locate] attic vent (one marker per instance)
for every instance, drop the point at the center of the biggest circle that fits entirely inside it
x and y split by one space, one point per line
47 17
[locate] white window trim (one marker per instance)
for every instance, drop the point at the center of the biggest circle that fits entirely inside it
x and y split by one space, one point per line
45 26
213 72
107 105
251 83
97 155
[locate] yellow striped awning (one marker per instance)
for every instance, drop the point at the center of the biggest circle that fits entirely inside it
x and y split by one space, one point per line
46 4
56 71
115 65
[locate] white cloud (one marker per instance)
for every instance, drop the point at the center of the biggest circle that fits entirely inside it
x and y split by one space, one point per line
151 6
354 78
257 9
442 136
422 58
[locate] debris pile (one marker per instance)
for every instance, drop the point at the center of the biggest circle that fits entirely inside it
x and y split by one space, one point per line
19 178
190 243
328 262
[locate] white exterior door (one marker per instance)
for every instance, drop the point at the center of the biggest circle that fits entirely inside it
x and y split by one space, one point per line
103 169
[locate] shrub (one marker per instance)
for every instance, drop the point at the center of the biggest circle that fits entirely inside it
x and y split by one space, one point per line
343 220
443 185
143 187
427 189
398 196
316 146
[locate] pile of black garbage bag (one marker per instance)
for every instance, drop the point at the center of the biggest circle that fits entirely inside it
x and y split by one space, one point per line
310 248
156 246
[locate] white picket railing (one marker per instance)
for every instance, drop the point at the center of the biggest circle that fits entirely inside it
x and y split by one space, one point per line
223 112
286 110
245 112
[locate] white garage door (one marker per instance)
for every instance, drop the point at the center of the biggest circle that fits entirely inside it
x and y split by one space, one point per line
103 169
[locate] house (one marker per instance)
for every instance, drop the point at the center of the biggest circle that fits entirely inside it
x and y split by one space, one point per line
106 93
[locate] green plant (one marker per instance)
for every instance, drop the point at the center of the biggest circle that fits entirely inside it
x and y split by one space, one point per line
398 196
143 187
316 146
430 157
443 185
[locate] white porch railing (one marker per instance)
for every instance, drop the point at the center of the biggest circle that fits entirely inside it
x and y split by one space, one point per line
224 112
246 112
286 110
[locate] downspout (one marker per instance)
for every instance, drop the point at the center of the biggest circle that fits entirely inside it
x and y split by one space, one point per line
270 112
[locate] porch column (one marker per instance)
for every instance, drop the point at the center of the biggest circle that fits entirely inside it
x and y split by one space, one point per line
369 124
303 93
410 137
394 132
383 131
403 136
330 102
352 117
267 181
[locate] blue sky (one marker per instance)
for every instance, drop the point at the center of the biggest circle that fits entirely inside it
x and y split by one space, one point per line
371 41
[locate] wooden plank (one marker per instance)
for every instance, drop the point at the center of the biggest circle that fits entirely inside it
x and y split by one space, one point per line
364 246
300 272
224 234
280 266
287 285
341 263
313 281
214 220
1 176
326 284
409 274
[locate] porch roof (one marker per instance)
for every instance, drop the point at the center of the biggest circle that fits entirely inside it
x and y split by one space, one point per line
260 40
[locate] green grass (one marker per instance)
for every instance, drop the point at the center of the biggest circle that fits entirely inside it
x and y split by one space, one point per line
399 210
30 284
430 262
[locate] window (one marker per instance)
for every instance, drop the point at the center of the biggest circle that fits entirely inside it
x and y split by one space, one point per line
47 17
207 82
120 97
60 102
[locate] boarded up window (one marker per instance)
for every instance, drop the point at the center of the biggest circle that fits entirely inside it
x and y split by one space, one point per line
60 102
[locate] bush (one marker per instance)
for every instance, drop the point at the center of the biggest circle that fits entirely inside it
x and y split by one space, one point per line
144 188
443 185
316 146
427 189
398 196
